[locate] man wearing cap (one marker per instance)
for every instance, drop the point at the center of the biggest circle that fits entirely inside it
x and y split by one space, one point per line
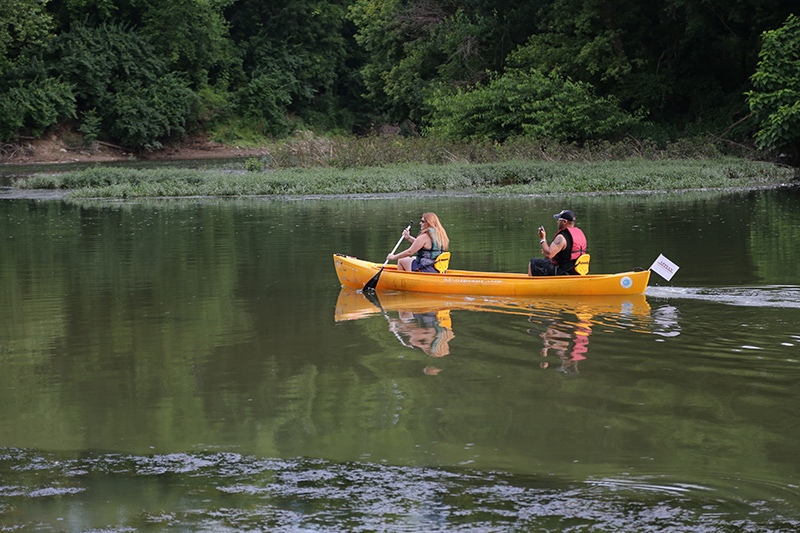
567 246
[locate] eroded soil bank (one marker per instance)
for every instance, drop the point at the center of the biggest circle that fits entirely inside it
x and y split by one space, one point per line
55 148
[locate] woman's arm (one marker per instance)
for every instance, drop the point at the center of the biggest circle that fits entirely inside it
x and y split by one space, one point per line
418 243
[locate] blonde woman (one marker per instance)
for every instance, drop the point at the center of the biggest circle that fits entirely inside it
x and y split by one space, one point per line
425 247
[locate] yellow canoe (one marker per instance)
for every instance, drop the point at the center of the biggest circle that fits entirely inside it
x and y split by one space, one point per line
355 273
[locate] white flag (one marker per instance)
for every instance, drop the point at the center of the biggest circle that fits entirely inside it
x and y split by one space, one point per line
664 267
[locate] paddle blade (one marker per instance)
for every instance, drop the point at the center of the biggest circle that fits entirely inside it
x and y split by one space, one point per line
372 297
371 284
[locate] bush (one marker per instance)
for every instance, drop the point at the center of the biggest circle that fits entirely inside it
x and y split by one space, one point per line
139 115
118 73
775 99
530 104
35 107
265 99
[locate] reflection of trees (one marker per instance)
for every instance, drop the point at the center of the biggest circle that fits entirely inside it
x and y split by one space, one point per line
106 307
772 242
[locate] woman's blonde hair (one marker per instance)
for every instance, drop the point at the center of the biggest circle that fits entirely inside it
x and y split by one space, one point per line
441 234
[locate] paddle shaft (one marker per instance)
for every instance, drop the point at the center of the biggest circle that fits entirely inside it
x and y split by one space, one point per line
396 245
371 284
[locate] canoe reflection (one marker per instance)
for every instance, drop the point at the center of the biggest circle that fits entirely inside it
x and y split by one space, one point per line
564 324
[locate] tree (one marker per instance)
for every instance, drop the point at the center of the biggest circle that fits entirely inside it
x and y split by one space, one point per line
34 105
301 54
23 24
684 62
190 35
775 98
30 100
530 104
119 74
413 45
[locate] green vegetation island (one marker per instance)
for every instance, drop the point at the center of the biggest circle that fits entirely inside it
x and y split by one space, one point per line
353 166
144 77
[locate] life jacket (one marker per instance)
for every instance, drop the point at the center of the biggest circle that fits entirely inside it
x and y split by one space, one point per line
576 247
429 255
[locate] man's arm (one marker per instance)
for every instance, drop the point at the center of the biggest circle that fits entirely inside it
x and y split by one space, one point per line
556 246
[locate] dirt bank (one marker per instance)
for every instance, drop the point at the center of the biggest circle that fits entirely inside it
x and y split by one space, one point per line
53 148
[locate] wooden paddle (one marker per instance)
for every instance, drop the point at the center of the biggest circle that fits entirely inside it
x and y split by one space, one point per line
371 284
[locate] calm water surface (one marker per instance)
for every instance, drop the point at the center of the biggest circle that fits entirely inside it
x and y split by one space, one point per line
194 365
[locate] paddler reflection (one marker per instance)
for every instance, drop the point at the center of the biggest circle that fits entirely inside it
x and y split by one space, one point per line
421 322
431 332
564 324
567 340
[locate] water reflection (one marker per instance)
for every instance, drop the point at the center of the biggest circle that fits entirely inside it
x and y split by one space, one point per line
568 341
564 324
431 332
421 322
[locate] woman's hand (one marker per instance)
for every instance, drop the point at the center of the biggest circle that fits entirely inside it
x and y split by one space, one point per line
391 257
407 235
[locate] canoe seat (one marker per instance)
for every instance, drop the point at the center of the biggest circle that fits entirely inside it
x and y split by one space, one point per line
582 264
442 262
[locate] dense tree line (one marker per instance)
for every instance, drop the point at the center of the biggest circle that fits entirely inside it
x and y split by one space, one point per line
137 72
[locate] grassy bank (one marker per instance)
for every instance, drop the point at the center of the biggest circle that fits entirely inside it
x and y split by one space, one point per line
513 177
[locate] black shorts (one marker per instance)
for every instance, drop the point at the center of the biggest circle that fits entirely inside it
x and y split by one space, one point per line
542 267
416 267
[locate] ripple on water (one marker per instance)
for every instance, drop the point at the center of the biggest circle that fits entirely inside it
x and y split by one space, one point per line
767 296
226 491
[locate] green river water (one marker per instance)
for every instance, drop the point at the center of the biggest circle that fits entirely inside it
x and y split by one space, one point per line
193 365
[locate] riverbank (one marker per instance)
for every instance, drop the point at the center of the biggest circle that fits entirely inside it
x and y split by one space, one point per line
57 149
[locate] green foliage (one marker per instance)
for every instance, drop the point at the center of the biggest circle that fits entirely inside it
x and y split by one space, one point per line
265 99
97 60
528 104
262 68
775 99
683 62
413 46
23 24
141 115
30 100
35 106
90 127
297 52
192 35
119 74
253 164
212 104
